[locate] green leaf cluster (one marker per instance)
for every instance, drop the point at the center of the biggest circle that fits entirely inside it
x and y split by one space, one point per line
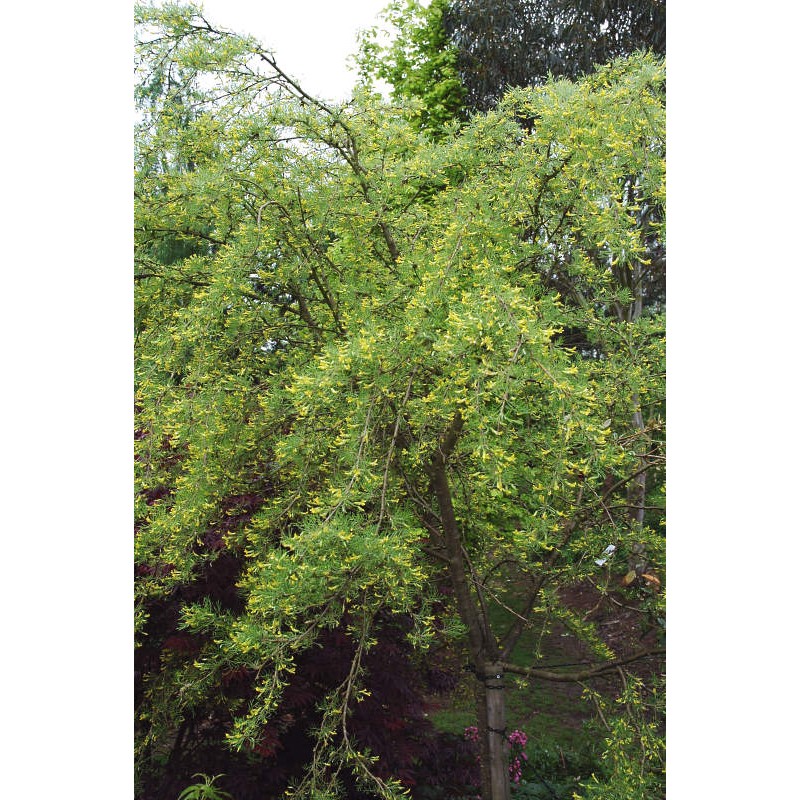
420 63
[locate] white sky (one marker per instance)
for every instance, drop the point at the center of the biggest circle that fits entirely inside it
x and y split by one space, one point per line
311 39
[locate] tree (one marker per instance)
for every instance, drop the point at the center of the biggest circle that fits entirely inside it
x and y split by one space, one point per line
420 62
377 349
521 42
461 56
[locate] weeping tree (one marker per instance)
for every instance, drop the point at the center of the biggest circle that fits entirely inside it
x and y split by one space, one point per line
431 360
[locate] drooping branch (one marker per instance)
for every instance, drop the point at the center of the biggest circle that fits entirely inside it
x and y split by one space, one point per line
316 275
195 234
392 444
305 314
580 675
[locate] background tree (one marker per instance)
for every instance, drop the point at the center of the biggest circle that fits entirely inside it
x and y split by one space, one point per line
379 355
507 43
420 62
461 56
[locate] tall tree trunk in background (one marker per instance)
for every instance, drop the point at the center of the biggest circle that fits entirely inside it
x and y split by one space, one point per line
638 490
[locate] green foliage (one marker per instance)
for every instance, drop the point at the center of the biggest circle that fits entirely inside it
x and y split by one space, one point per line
323 293
457 57
204 790
632 763
419 63
542 790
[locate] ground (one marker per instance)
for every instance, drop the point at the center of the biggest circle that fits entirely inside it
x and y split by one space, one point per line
554 715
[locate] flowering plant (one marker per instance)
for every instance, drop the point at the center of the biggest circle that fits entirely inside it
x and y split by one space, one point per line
517 740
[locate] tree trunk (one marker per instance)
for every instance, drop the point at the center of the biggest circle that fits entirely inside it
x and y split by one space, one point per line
490 693
495 733
483 740
638 491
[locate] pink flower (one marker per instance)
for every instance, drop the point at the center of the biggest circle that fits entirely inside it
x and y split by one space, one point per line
471 733
517 740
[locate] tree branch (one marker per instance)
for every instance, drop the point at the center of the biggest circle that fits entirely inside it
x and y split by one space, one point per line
580 675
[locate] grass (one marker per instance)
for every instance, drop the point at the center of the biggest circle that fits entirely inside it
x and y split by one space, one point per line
551 714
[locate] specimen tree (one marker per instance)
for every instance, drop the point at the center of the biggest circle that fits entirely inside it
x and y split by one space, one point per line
427 356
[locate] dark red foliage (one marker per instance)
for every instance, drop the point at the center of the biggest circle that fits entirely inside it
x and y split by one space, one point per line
183 643
217 582
153 570
391 722
236 679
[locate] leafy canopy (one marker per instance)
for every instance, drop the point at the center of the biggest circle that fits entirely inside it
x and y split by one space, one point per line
326 300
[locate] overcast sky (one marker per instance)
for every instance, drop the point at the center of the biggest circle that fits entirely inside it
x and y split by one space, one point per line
311 39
